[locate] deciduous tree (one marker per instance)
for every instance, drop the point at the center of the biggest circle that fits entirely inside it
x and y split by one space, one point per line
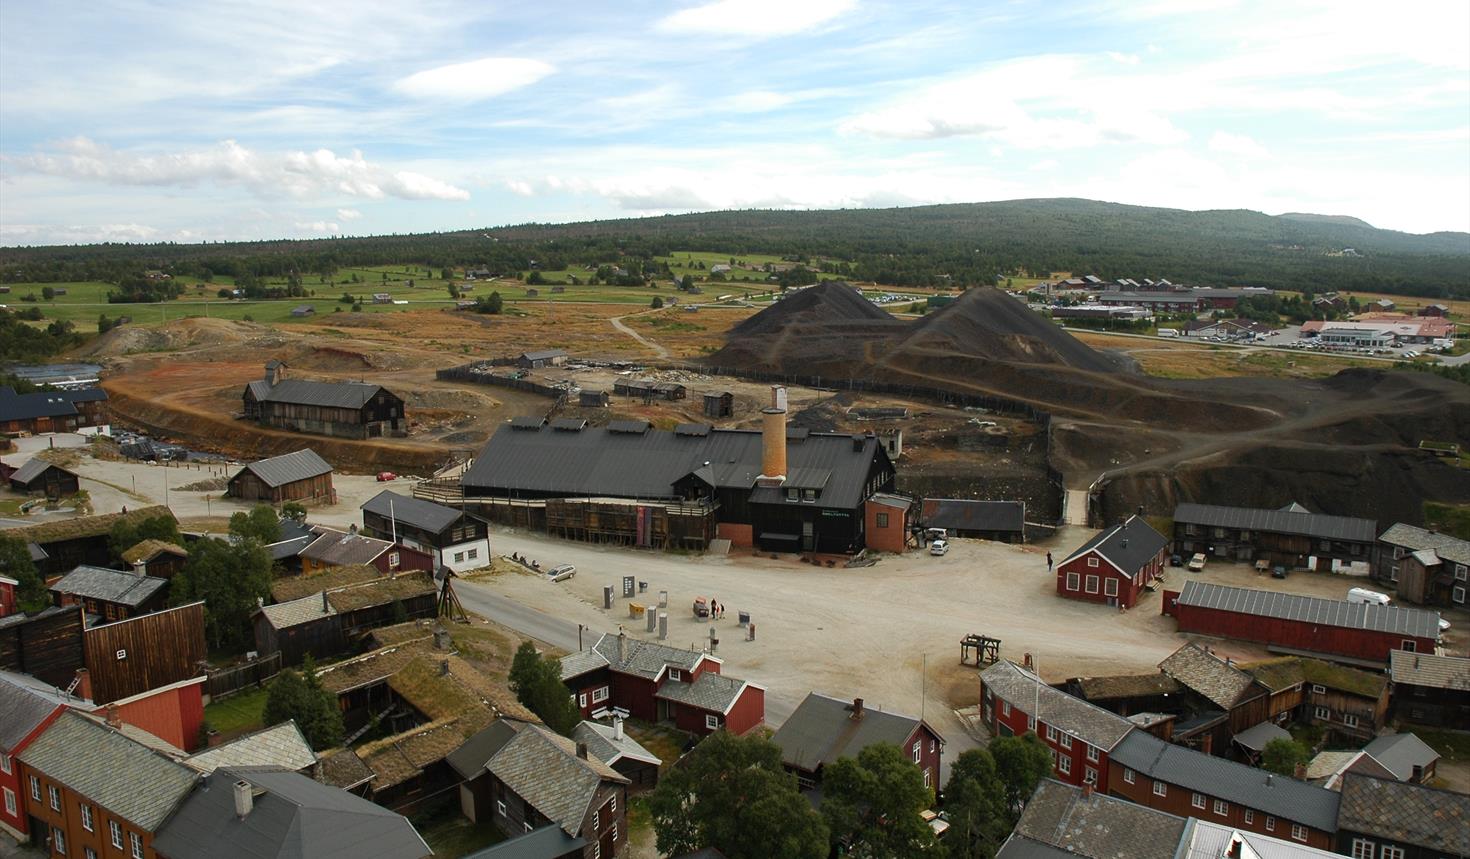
872 804
230 579
975 800
127 534
1021 762
15 563
1281 756
260 524
300 696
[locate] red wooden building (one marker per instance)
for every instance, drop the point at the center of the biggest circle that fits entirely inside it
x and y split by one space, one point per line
658 683
824 729
1080 735
7 595
1114 566
1355 633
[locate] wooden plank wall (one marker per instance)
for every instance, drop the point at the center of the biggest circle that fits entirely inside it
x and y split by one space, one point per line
48 648
161 648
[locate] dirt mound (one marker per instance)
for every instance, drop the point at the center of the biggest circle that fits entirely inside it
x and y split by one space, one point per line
825 303
988 323
176 335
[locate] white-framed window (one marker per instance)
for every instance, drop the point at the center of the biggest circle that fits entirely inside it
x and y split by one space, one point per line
612 806
1051 734
596 821
1350 720
392 559
10 807
458 557
1092 754
54 794
1362 848
1392 852
528 829
86 817
1462 572
474 553
1322 712
1457 593
675 674
90 853
1398 553
35 789
599 694
596 848
1064 765
933 746
1393 573
1066 740
712 721
1222 807
1090 777
1092 562
1270 823
1161 789
1318 689
1298 832
918 748
926 778
1030 722
1127 775
5 764
582 700
1197 800
1250 816
1072 581
1005 708
135 845
1110 587
1091 584
500 807
615 833
116 832
58 841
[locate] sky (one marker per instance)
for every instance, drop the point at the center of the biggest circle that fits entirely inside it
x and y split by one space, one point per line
130 120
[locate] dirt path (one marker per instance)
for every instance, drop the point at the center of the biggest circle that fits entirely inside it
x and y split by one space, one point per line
617 322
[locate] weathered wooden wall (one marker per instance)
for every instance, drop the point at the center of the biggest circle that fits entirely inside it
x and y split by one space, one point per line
159 649
48 648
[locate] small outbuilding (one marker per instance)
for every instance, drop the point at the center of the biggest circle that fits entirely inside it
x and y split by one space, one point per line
299 476
158 558
592 399
39 477
541 358
719 404
1004 521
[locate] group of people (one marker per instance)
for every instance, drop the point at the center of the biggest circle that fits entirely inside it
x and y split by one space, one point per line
716 611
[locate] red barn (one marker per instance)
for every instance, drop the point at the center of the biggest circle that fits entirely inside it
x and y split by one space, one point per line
1081 736
1114 566
658 683
1287 623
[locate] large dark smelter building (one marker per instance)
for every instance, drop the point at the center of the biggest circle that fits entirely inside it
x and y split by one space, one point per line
343 409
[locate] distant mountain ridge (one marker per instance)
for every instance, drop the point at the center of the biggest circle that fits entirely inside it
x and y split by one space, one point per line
1345 220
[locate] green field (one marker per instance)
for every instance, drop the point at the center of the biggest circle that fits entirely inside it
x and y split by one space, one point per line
683 263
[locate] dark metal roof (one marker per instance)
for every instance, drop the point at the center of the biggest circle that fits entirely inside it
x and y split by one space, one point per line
1417 622
292 817
288 468
470 758
533 422
338 549
1129 546
543 354
959 514
1438 820
544 843
569 424
34 468
416 512
336 395
822 729
1098 826
85 395
1284 521
41 404
114 586
1283 797
636 462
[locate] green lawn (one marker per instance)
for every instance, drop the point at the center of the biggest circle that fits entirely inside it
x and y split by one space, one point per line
240 713
449 834
1452 745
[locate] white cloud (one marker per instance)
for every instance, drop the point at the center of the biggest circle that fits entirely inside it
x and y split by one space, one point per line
48 234
1236 144
754 17
474 80
329 228
348 214
296 174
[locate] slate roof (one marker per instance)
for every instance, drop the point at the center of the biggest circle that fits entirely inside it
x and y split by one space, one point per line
34 468
581 662
41 404
1416 622
958 514
1428 669
150 549
22 708
1088 722
600 742
1098 826
469 759
1411 537
1129 546
105 766
1400 753
1127 686
1219 682
543 354
288 468
114 586
341 549
713 692
548 840
1408 813
822 729
339 395
418 513
1255 738
292 817
1021 847
279 746
543 769
283 615
343 768
1283 521
1196 771
616 462
646 659
1328 768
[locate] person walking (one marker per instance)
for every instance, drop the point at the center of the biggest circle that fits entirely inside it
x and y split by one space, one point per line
1048 562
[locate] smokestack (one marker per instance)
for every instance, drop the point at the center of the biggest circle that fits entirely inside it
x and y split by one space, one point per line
857 708
444 668
1300 772
1027 662
582 751
1086 789
773 439
244 799
617 727
326 606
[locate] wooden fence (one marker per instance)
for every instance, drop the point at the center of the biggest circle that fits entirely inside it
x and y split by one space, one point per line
479 374
226 681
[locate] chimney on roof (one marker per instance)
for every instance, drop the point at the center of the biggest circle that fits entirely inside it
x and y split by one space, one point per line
1268 779
617 727
773 439
113 721
857 709
326 606
1300 772
582 751
83 687
444 668
1028 663
1086 790
244 799
622 647
441 638
1236 846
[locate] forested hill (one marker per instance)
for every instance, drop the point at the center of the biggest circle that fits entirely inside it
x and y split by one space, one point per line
962 244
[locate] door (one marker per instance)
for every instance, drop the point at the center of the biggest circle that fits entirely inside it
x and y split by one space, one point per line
807 541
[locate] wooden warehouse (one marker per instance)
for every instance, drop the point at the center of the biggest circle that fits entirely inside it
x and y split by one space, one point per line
1355 633
332 621
647 389
39 477
299 476
62 544
1292 536
343 409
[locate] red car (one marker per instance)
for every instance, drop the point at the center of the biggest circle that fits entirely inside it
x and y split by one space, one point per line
385 476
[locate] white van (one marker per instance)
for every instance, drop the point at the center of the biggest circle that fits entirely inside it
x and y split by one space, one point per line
1363 595
1168 332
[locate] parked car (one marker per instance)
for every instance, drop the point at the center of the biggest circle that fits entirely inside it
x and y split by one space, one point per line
1176 560
1197 562
561 573
385 476
1363 595
939 547
1279 572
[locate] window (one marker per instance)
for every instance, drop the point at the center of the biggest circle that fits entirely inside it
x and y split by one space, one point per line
1393 573
675 674
808 495
1092 562
612 806
527 827
1127 775
1298 832
882 520
474 553
1005 708
135 844
1457 593
1350 720
10 802
1222 807
1110 587
1398 552
599 694
596 848
1198 800
116 832
392 559
596 821
1461 572
35 789
1066 741
86 817
55 795
1051 734
1250 816
1092 584
91 854
918 747
615 833
582 700
933 746
458 557
1270 823
1408 645
1072 581
1392 852
1318 689
500 807
58 841
5 764
712 721
1064 765
1091 777
792 493
1322 712
1362 847
1160 789
1092 754
926 778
